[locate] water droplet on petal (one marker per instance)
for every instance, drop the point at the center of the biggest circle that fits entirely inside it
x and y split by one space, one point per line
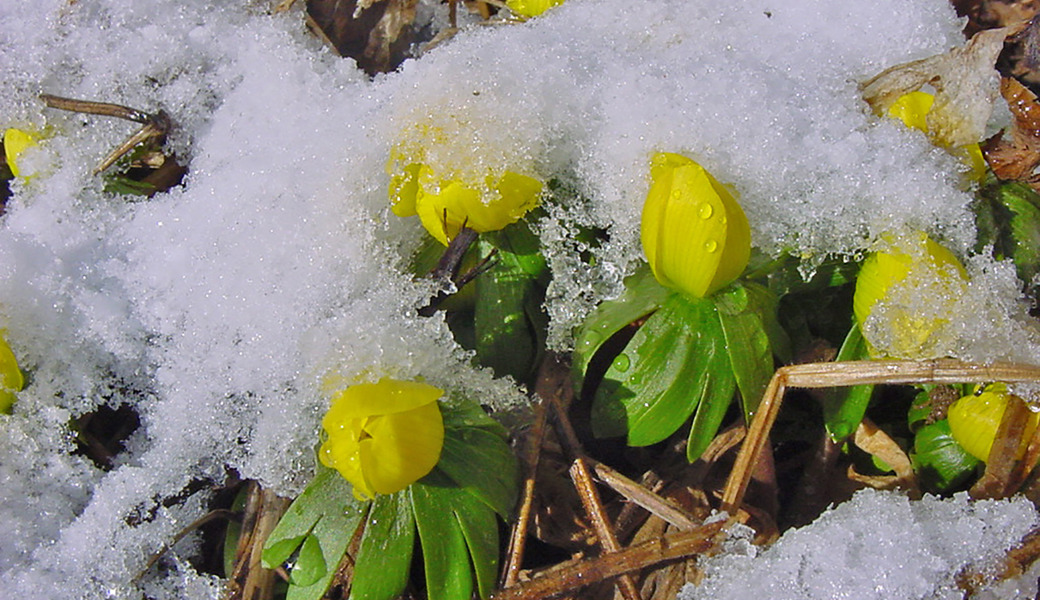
705 211
711 246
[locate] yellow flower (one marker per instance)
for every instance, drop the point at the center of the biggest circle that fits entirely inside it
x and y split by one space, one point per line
445 206
695 235
974 420
383 436
11 380
16 142
531 8
913 109
905 294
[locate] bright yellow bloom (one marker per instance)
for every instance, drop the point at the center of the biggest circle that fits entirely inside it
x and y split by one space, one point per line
695 235
905 294
974 420
913 109
383 436
531 8
445 206
16 141
11 380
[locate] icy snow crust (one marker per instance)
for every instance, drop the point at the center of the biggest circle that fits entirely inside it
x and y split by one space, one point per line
877 545
218 310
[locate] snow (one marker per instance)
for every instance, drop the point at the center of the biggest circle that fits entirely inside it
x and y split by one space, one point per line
877 545
218 309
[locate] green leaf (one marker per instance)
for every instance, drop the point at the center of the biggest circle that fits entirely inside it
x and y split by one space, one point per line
1022 201
715 400
446 557
385 556
466 413
844 408
940 462
743 311
483 465
642 296
507 338
318 525
654 385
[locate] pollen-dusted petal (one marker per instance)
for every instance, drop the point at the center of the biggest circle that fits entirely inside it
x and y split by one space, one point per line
16 142
694 233
11 379
975 418
402 447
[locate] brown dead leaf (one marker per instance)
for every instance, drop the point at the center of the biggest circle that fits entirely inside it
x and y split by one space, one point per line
1015 152
375 33
965 83
876 442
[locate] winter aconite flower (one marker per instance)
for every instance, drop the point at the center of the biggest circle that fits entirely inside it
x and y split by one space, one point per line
11 380
695 235
383 436
905 294
446 205
531 8
913 110
16 142
974 420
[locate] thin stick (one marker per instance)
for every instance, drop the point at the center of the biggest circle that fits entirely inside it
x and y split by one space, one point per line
844 374
576 574
105 109
590 499
664 508
518 535
220 513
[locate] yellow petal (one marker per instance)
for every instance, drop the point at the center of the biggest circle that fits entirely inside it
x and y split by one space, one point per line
384 397
912 109
974 420
16 142
694 233
531 8
11 379
383 436
445 207
403 190
402 447
904 296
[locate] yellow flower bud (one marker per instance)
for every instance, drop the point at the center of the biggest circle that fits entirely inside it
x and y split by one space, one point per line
16 142
974 420
445 206
913 108
531 8
904 296
383 436
695 235
11 380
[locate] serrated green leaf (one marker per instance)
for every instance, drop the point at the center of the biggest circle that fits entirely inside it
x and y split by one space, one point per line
743 311
327 512
844 408
654 385
940 462
385 556
483 465
642 296
446 557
